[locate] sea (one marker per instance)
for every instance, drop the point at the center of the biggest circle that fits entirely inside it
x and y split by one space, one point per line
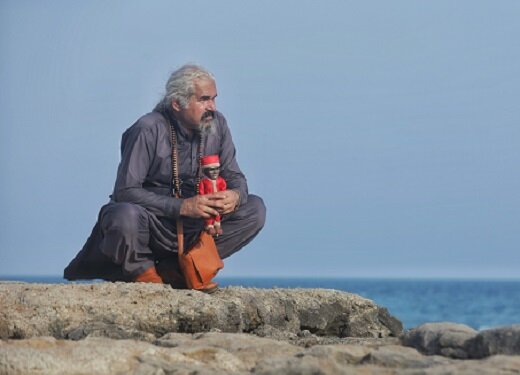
480 304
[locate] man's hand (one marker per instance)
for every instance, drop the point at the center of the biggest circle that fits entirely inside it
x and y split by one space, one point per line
229 200
200 206
210 205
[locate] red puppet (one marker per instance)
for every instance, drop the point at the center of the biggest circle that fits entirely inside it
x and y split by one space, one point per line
211 184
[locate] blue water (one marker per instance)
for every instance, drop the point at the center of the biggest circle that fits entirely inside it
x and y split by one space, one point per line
480 304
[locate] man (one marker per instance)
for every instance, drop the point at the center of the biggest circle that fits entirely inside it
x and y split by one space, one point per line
135 236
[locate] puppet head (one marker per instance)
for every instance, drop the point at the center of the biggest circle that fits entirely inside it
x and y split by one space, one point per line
210 166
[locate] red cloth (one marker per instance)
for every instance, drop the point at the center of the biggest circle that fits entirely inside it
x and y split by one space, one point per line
210 160
206 187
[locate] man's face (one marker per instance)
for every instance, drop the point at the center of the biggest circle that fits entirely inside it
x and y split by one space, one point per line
200 111
212 172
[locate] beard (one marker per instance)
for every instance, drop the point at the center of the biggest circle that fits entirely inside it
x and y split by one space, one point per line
208 128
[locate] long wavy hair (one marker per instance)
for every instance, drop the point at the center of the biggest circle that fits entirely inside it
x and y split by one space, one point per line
180 86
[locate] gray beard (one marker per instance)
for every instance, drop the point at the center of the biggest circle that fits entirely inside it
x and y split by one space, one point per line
208 128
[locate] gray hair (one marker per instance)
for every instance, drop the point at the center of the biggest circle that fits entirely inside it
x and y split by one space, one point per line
180 86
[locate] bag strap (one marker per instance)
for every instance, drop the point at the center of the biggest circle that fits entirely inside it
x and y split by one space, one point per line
180 237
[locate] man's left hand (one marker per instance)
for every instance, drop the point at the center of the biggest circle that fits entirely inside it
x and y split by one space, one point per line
229 200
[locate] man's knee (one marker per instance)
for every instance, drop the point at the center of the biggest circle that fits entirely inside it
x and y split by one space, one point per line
123 217
242 226
258 210
251 215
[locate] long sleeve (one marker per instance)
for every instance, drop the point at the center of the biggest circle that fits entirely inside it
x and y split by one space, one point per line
138 151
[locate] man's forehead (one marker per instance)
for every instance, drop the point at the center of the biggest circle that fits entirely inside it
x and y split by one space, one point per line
205 87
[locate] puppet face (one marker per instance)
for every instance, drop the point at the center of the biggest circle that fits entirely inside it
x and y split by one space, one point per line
200 110
211 172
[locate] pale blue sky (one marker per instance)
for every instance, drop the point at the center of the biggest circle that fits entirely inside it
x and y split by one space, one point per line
383 136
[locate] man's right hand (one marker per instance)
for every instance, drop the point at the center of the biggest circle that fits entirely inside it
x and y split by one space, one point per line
201 206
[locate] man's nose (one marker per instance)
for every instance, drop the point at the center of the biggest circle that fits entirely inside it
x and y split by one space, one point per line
211 105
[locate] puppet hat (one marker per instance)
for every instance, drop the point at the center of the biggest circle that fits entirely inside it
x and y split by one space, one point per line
210 161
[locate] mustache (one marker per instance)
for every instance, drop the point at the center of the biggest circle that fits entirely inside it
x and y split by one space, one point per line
208 114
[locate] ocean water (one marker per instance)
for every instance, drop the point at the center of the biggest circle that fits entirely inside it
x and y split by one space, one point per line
480 304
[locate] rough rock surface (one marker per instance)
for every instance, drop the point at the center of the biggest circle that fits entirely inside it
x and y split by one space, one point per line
109 328
228 353
448 339
503 340
146 311
460 341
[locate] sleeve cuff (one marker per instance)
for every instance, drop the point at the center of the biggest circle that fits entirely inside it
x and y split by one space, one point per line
242 197
174 207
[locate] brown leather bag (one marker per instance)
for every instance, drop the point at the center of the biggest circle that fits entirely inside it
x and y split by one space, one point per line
200 263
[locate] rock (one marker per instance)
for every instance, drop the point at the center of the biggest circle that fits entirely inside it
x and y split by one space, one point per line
447 339
501 364
460 341
227 353
395 356
248 349
106 356
496 365
502 340
117 328
147 311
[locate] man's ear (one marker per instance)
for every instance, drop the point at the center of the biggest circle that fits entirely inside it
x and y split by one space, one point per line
176 106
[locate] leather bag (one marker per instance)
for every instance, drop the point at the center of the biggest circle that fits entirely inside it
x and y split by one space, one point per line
200 263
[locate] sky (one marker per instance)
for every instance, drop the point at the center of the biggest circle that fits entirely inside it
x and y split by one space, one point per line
383 136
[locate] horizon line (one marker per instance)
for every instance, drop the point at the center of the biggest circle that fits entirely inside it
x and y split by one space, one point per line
14 277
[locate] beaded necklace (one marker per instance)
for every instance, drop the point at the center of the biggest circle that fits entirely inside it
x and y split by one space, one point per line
176 191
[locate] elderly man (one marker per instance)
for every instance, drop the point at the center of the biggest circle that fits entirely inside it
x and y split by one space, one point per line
135 237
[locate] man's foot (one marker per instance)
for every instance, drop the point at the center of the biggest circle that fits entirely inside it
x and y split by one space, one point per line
149 276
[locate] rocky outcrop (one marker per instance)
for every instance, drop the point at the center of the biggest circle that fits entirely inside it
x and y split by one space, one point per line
460 341
503 340
147 311
229 353
117 328
447 339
